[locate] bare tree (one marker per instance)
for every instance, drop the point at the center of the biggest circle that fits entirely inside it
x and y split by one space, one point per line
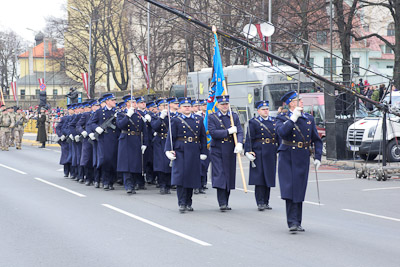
393 7
10 47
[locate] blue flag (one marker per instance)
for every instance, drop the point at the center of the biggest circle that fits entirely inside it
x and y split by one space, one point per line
216 86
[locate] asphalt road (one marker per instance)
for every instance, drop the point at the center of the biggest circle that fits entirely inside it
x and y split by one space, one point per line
47 220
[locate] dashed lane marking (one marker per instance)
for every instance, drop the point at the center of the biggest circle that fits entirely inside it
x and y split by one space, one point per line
195 240
10 168
373 215
60 187
383 188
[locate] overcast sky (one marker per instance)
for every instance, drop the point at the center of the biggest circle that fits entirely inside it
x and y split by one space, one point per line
18 15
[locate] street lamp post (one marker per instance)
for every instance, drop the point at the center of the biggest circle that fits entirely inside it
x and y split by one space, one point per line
90 44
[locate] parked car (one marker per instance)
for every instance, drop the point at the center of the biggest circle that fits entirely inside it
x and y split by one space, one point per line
365 136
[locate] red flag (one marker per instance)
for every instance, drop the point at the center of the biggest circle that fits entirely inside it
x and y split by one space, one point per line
14 90
263 39
143 60
42 85
85 79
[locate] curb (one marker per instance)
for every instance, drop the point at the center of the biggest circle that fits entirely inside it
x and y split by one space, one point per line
35 143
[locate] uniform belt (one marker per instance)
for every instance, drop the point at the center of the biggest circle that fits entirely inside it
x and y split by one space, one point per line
130 132
162 135
266 140
296 144
227 139
189 139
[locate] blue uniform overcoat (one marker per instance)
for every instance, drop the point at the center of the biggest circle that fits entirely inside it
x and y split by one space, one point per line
148 154
87 149
186 167
160 161
133 131
264 143
76 146
294 162
223 160
107 147
60 130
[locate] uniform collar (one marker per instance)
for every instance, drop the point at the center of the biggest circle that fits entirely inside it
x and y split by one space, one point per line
190 116
220 114
262 119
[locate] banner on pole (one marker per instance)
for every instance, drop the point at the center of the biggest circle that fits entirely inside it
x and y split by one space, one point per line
143 60
14 90
85 79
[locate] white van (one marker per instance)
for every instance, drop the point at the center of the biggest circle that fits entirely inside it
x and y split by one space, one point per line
365 136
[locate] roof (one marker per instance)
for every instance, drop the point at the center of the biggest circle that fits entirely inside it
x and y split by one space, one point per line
52 78
51 51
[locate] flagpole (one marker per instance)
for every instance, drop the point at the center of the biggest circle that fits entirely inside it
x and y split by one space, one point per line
214 29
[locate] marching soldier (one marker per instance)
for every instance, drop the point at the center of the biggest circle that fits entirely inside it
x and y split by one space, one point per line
6 124
260 148
82 127
103 124
298 132
151 111
89 128
11 112
223 150
196 109
41 125
20 120
187 149
62 133
160 125
130 145
76 143
148 155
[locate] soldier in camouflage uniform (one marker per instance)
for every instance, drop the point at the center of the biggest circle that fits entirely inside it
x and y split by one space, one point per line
6 123
12 113
20 120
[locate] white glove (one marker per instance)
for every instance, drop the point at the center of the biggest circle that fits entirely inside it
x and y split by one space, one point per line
296 114
250 156
62 137
148 117
99 130
203 156
143 148
144 119
232 130
170 155
164 114
84 134
238 148
317 163
91 136
76 138
155 134
115 114
130 112
71 137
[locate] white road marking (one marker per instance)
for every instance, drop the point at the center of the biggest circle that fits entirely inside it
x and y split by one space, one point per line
313 203
373 215
383 188
4 166
310 202
60 187
331 180
237 188
158 225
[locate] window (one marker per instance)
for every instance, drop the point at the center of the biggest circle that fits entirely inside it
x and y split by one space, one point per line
322 37
327 66
356 64
388 50
22 92
311 62
390 29
55 92
389 67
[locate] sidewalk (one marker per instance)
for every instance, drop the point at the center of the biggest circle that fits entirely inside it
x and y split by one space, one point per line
30 139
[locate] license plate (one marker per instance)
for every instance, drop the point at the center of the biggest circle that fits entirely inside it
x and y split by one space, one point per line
354 148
